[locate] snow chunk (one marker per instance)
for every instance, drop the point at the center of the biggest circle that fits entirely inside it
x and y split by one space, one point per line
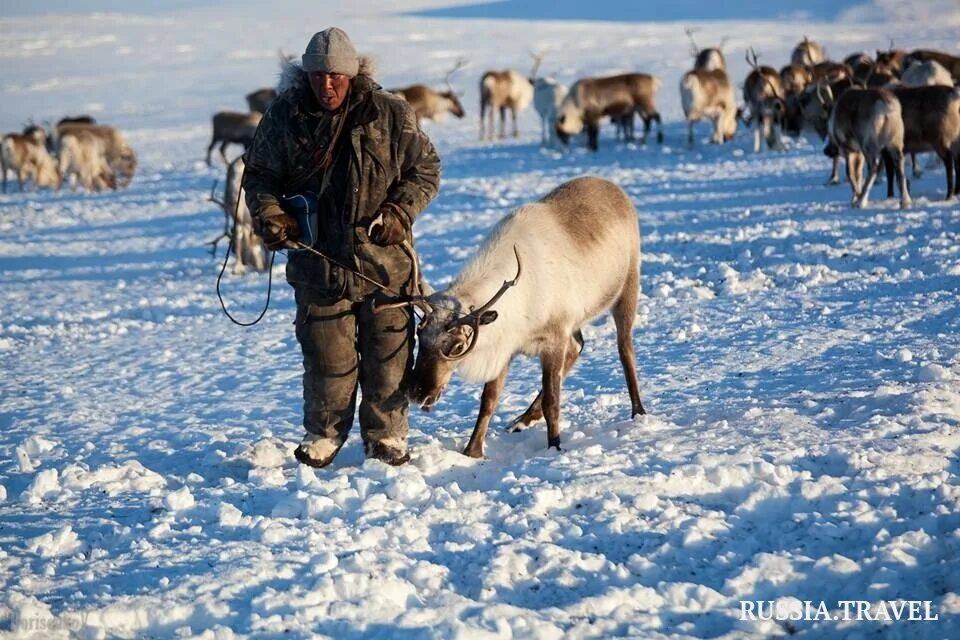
46 484
37 445
266 455
3 493
61 542
407 487
934 373
229 515
179 500
733 283
113 479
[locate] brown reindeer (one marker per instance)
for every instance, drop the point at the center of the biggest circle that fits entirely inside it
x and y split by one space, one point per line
619 97
260 99
26 155
931 122
867 126
764 95
233 127
431 104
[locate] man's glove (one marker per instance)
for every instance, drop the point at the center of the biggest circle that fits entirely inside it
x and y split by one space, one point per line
389 227
278 229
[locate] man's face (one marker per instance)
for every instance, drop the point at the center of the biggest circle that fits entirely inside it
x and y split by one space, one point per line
329 88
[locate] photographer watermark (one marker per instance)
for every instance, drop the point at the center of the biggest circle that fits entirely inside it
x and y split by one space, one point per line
66 621
791 609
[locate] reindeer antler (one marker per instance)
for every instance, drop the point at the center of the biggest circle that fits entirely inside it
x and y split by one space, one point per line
537 60
474 316
695 50
459 64
751 57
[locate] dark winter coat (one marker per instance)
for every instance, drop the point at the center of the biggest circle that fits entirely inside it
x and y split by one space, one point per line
381 158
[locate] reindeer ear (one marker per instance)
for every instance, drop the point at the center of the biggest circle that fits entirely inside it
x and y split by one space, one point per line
487 317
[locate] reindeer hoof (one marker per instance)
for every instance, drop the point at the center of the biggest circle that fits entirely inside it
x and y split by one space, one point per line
471 453
554 443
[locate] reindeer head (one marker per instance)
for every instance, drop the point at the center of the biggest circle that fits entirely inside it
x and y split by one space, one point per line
446 335
453 103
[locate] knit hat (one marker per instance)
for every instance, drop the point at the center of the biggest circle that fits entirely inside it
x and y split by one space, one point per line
331 51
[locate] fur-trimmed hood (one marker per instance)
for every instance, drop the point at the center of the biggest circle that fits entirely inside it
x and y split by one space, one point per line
294 78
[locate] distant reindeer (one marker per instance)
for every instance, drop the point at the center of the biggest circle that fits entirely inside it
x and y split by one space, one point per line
84 155
620 96
120 157
890 61
949 62
764 95
503 90
431 104
248 247
708 59
548 95
867 126
562 261
925 73
26 155
260 99
709 94
807 53
233 127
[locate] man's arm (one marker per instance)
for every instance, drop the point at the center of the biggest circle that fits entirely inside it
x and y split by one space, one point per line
419 169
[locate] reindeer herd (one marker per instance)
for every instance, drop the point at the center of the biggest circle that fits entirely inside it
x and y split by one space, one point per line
75 150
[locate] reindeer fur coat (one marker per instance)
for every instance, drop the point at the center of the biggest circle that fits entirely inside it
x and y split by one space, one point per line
380 158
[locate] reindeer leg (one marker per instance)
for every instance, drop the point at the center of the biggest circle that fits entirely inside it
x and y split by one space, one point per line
593 135
534 412
835 173
873 163
503 122
552 363
213 143
944 155
897 156
223 151
915 165
854 174
513 115
888 166
656 116
624 312
488 405
690 132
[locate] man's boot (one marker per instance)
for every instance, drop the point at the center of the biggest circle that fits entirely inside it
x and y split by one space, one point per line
318 451
393 453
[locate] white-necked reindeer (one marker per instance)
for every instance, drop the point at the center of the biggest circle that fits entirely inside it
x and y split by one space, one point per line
248 248
562 261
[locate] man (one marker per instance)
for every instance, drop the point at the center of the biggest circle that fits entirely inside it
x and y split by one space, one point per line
335 133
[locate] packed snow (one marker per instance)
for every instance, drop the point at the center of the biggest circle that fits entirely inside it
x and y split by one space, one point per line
799 359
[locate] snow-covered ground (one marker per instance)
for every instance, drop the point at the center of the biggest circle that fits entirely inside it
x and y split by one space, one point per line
800 361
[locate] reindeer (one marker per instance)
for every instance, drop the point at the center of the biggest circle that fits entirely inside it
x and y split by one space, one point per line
709 94
260 99
807 53
931 122
230 126
120 158
84 155
867 125
563 261
862 66
26 155
890 61
925 73
548 95
947 61
431 104
247 246
764 95
502 90
590 99
708 59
